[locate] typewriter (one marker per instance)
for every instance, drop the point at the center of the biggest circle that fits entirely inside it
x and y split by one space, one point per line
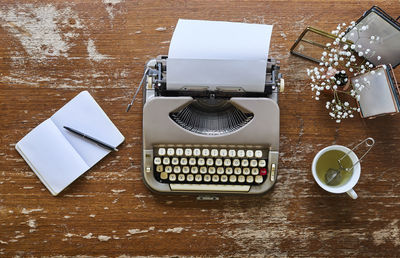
209 141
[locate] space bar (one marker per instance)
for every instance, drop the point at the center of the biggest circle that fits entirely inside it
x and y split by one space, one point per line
210 187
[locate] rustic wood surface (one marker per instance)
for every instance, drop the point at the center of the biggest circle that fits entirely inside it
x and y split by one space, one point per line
52 50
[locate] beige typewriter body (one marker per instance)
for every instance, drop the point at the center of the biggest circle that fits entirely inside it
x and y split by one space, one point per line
161 134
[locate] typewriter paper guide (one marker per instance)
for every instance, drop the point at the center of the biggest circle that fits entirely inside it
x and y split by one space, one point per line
217 55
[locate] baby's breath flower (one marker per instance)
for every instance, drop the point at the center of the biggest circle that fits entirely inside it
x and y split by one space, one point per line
338 63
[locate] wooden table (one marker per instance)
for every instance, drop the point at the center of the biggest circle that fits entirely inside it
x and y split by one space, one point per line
51 51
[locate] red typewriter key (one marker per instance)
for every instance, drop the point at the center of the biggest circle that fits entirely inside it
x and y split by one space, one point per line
263 171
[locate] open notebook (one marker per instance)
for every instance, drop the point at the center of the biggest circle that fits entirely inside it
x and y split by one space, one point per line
57 156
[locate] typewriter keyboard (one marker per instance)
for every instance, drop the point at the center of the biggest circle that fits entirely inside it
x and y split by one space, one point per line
209 168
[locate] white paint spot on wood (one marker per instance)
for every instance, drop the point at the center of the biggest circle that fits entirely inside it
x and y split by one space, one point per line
103 238
140 195
44 31
88 236
391 233
27 211
161 29
94 55
118 191
283 35
110 6
138 31
139 231
174 230
32 223
29 187
92 215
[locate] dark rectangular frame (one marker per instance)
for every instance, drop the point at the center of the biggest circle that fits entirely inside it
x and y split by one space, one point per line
386 17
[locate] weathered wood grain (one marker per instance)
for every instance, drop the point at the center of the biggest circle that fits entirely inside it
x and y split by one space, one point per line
51 50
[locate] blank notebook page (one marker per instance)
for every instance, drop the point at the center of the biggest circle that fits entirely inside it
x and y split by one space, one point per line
51 156
84 114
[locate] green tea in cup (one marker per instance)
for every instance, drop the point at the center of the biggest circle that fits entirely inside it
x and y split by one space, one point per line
329 160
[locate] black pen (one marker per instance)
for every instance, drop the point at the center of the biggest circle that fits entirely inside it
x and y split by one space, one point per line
83 135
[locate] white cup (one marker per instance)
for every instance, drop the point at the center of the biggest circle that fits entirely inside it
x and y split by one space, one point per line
348 186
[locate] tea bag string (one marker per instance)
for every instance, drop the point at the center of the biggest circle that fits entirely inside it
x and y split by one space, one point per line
369 142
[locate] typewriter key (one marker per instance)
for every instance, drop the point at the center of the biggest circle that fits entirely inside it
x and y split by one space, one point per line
194 170
215 178
175 161
259 179
198 178
211 170
179 152
258 154
157 160
223 152
161 151
170 152
166 161
159 168
190 178
172 177
181 177
224 178
188 152
249 153
238 171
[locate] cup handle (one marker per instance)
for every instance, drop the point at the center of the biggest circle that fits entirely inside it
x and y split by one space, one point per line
352 194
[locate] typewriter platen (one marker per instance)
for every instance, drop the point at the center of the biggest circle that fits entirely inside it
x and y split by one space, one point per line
201 141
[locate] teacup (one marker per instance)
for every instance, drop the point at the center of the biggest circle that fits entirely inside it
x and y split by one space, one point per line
348 185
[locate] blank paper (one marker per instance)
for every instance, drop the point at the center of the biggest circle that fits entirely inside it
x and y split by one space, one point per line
217 54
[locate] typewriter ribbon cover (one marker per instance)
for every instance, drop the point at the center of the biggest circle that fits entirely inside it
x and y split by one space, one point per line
196 141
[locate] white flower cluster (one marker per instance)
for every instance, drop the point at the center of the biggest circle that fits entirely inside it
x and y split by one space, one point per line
340 61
